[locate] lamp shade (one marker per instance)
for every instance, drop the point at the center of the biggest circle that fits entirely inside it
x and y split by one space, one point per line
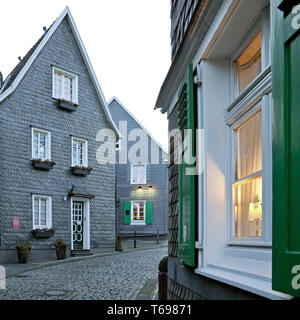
255 211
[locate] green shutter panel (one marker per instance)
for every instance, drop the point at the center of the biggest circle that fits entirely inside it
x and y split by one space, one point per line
149 205
186 183
127 212
286 148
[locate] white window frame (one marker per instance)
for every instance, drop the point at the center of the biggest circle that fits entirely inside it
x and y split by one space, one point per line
85 151
144 181
139 222
48 212
48 143
75 85
262 24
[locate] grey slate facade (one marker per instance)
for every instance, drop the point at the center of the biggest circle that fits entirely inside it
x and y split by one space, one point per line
156 177
31 105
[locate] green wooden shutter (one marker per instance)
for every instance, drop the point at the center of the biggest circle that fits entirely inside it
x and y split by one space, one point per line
186 183
149 206
286 149
127 212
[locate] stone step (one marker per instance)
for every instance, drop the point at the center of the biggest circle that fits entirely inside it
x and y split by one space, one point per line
80 253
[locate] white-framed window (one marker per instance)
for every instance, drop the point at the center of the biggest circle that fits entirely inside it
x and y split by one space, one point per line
42 212
79 152
138 174
64 85
41 144
247 177
138 212
252 55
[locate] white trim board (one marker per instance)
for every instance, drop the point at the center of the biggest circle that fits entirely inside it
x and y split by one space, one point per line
66 13
137 121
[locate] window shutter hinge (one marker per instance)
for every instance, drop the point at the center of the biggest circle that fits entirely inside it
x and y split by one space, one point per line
198 245
197 81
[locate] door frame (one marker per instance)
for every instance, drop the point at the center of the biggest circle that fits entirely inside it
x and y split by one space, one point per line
86 222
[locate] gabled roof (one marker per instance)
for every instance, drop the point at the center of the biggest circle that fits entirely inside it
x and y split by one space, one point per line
137 121
14 78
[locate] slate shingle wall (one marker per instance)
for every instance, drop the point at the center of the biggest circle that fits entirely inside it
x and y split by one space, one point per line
31 104
156 176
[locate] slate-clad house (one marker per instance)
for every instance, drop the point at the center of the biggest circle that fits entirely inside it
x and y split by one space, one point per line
234 227
141 187
51 108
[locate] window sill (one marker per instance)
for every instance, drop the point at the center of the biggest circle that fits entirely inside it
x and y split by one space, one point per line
81 171
42 165
67 105
138 224
249 274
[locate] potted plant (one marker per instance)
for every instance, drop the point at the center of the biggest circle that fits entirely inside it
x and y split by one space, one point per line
23 251
43 233
61 249
81 171
163 279
67 105
42 164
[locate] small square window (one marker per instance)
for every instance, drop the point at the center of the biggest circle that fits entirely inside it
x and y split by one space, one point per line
249 64
65 86
41 144
138 174
79 152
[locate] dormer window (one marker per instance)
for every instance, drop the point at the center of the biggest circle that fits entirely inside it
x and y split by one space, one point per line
65 86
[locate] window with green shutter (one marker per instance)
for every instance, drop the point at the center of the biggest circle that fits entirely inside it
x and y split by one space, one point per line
286 142
186 218
127 212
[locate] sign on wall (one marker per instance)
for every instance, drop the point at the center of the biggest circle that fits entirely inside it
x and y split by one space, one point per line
143 194
16 223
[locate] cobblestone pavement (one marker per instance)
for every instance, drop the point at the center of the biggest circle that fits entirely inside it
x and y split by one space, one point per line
116 277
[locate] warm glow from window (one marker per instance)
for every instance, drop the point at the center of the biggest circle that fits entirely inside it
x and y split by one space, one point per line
248 185
248 64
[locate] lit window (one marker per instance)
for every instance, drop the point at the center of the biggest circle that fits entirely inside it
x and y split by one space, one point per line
247 187
138 213
41 144
79 153
42 216
138 174
248 64
65 86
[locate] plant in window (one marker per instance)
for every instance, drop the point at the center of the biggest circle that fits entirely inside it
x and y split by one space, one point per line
43 164
67 101
81 170
43 233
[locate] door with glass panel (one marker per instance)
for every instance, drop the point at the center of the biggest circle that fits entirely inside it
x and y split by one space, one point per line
77 215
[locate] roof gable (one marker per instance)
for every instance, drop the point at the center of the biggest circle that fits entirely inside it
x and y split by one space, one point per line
22 67
136 120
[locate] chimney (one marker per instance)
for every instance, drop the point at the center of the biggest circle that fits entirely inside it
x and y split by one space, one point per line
20 58
1 80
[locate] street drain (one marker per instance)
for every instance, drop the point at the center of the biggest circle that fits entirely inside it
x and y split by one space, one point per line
55 293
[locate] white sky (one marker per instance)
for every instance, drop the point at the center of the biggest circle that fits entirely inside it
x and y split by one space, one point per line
128 43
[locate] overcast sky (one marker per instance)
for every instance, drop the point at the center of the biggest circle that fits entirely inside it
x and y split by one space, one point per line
128 42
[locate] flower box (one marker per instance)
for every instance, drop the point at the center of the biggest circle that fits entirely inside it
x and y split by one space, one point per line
81 171
45 165
67 105
43 233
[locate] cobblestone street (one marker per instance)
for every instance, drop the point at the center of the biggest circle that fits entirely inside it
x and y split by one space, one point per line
118 276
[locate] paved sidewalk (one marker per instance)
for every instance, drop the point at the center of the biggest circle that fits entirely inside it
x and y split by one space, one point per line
14 269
